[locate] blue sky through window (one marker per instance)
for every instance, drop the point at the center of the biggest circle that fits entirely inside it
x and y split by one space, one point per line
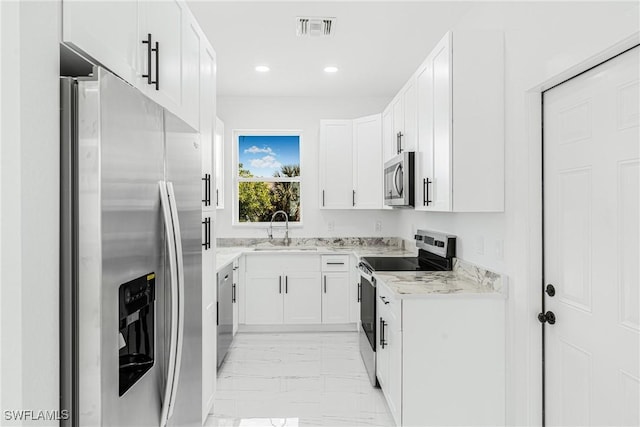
264 155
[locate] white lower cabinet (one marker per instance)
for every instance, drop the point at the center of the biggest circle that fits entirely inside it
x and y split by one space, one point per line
441 360
292 289
335 297
302 298
282 289
263 298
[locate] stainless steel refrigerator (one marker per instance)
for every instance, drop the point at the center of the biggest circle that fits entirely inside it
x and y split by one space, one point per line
131 274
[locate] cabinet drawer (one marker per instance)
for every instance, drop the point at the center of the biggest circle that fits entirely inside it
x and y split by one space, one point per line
387 298
335 262
256 263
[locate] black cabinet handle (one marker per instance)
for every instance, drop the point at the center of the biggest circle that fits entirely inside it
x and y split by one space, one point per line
279 284
286 284
217 198
551 290
148 43
425 192
217 313
359 291
323 198
157 51
383 341
325 284
399 142
548 317
233 293
335 263
207 233
207 189
353 198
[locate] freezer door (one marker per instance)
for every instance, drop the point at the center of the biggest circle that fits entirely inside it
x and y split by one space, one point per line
120 161
183 166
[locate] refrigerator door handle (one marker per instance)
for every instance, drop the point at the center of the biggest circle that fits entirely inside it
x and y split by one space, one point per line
173 271
180 262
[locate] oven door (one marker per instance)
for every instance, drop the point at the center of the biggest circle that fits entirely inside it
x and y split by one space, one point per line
368 308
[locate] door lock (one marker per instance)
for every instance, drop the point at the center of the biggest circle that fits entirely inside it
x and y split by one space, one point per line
548 317
550 290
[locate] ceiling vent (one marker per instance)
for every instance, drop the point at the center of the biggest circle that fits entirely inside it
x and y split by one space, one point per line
314 27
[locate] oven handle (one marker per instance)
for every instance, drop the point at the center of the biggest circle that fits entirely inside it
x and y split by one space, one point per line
365 274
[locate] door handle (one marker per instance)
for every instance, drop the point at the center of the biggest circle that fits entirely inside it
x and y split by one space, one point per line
425 199
323 198
286 284
359 291
383 341
279 284
207 189
233 293
325 284
353 198
551 290
548 317
395 179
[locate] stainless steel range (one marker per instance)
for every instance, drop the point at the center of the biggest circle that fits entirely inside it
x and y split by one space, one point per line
435 253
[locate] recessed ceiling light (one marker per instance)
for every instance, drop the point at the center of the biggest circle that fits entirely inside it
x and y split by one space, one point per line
331 69
262 68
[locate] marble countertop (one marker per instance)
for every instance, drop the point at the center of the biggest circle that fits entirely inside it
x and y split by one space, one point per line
360 247
465 279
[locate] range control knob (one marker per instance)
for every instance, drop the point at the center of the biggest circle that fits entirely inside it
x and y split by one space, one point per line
548 317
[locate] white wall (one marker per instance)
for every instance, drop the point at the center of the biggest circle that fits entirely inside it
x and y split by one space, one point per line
29 194
541 41
301 114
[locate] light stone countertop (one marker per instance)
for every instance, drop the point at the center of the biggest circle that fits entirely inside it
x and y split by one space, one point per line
465 279
227 254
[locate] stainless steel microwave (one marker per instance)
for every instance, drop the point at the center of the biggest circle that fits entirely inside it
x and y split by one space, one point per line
398 180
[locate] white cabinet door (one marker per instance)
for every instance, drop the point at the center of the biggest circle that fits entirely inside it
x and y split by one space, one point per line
355 295
218 196
335 297
409 108
163 20
302 302
234 295
209 316
207 123
336 163
105 30
367 156
393 348
388 134
398 123
263 298
442 143
191 71
424 149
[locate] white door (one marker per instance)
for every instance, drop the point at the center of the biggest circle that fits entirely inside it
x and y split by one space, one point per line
335 297
336 164
367 155
263 299
302 298
591 202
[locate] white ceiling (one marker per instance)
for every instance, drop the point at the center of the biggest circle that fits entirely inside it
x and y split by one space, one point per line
376 46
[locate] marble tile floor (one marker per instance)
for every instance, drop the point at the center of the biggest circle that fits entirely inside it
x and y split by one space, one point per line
296 380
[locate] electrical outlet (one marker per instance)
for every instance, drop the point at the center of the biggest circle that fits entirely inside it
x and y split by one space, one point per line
479 245
378 226
331 225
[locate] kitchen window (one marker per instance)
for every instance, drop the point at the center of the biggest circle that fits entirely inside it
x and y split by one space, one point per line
267 176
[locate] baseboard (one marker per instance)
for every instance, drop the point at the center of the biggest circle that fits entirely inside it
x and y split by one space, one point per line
338 327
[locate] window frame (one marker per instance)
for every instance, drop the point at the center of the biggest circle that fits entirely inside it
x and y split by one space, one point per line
235 222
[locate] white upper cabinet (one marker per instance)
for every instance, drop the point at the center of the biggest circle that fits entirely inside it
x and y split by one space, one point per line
351 163
336 164
367 162
107 31
389 147
153 45
219 164
208 125
460 122
410 106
